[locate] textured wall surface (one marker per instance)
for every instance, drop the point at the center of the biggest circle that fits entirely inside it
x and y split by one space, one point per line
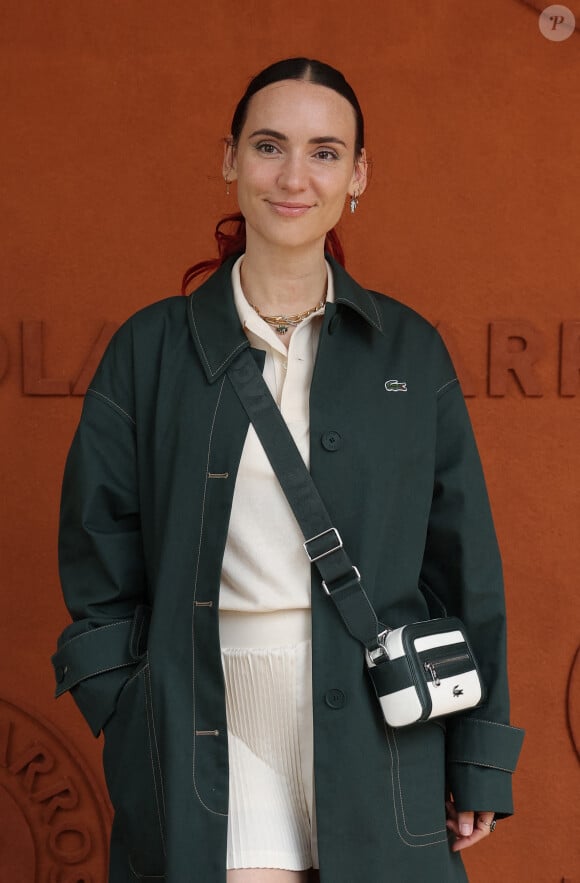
113 115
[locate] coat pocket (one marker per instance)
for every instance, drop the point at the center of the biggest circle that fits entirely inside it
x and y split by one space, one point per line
418 783
133 775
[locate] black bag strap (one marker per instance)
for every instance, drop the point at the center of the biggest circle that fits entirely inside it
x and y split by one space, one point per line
340 579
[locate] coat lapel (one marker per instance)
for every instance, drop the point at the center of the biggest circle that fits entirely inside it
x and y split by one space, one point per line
214 323
349 292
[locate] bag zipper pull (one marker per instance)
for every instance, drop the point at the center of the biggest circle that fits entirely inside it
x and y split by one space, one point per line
429 666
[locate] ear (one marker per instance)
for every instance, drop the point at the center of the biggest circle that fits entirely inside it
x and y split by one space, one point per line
229 165
358 182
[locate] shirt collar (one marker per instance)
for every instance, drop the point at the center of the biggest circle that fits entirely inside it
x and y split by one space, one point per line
215 326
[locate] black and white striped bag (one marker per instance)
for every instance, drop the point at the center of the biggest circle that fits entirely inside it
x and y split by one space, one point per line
425 670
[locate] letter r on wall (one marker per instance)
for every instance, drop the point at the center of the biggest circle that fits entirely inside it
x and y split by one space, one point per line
570 358
504 359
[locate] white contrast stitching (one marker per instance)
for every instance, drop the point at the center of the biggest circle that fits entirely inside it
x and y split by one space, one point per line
64 689
446 386
205 358
410 833
144 876
149 718
358 309
209 809
482 720
379 323
111 402
406 842
153 727
99 628
135 639
133 677
491 766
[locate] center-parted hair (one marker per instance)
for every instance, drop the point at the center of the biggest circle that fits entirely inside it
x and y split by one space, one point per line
310 71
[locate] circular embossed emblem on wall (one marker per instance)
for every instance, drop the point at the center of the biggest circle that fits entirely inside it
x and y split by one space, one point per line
573 703
54 818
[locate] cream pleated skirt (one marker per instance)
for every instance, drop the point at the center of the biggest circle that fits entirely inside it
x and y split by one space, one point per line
271 822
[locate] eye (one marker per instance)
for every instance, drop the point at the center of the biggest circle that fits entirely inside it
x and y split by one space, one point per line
326 155
266 147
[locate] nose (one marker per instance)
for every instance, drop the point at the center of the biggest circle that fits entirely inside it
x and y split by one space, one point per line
293 175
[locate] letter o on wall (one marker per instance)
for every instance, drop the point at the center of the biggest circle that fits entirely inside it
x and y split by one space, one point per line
70 845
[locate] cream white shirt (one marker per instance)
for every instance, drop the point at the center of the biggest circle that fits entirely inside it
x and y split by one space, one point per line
265 567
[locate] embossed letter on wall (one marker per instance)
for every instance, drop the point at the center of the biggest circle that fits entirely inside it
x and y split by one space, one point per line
516 350
55 819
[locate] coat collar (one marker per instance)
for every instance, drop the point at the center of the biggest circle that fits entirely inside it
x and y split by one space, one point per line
215 327
349 292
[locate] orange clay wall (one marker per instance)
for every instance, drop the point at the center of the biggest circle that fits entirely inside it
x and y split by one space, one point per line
112 120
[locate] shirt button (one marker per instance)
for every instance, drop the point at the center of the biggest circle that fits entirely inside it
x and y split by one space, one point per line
335 698
60 673
331 440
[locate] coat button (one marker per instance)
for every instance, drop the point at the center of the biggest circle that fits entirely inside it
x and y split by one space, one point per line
335 698
60 671
331 441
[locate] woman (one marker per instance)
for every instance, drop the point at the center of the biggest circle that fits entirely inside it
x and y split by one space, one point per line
241 731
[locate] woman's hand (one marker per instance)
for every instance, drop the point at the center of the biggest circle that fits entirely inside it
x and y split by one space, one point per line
468 827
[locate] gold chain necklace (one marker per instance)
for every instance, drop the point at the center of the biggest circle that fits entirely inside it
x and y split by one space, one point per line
281 323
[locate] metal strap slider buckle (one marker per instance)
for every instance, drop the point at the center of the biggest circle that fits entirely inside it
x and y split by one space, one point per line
379 654
314 558
356 573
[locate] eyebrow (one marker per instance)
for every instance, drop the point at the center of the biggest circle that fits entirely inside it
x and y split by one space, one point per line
324 139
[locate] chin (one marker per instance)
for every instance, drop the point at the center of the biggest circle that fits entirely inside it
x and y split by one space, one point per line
291 233
293 243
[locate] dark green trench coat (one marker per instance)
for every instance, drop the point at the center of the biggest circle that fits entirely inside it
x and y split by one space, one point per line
146 501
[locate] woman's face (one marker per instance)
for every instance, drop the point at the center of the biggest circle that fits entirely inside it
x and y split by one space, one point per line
295 164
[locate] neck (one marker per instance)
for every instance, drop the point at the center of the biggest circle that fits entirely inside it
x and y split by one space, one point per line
283 283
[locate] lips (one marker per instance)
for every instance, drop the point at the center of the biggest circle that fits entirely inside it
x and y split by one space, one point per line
290 209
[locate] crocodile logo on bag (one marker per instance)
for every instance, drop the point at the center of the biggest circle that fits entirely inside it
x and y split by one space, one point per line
457 690
396 386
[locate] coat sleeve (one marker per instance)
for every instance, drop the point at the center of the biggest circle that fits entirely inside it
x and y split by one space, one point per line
462 567
101 558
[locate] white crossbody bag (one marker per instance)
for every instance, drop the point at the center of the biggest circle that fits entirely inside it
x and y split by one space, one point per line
425 670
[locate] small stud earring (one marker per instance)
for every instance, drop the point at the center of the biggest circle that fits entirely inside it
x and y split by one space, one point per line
353 203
